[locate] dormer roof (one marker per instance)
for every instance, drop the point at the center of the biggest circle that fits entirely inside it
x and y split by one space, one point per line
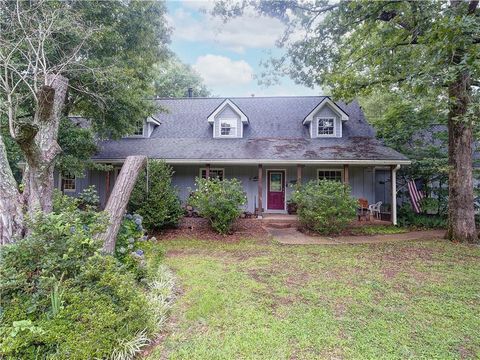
326 102
227 103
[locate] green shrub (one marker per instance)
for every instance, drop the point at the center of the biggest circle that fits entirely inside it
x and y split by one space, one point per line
219 201
155 199
407 217
325 206
62 299
128 247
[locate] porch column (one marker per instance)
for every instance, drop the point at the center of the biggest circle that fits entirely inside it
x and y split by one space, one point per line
393 173
207 171
260 191
299 174
107 186
346 177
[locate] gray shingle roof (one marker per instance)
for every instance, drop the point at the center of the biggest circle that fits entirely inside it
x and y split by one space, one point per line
275 132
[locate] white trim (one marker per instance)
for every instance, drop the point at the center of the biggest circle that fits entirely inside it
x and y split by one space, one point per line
60 176
394 194
229 120
269 161
153 120
331 169
223 105
267 179
211 169
317 122
326 101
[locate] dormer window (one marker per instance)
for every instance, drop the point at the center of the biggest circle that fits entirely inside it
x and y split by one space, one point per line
139 130
227 120
326 126
228 127
325 120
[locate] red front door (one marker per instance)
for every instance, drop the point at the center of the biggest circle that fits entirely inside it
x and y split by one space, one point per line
276 190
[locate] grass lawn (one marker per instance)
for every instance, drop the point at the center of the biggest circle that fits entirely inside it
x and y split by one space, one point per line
252 300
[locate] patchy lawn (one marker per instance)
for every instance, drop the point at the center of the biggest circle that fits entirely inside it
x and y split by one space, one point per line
262 300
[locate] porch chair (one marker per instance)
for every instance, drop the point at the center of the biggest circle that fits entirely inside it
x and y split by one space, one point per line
363 211
374 209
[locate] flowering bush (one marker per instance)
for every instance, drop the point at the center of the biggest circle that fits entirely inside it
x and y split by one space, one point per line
128 245
325 206
219 201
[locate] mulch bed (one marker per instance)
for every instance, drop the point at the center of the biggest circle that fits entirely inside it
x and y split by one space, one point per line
198 228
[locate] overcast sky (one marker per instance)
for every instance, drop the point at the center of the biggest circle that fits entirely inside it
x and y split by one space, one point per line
227 56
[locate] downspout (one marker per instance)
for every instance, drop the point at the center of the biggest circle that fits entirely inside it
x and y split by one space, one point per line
394 194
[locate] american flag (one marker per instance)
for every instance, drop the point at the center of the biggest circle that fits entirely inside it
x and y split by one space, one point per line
415 196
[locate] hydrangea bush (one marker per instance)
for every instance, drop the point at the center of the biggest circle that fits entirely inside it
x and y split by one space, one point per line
219 201
325 206
128 248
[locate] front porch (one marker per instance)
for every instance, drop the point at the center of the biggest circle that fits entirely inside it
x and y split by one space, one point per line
269 186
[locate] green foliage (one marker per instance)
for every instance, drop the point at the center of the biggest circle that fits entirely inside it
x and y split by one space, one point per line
175 78
379 230
219 201
128 245
155 198
408 218
325 206
62 299
89 197
78 146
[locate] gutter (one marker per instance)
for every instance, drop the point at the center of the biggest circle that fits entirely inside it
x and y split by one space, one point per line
268 162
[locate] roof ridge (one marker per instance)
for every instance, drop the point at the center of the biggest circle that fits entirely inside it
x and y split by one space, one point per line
241 97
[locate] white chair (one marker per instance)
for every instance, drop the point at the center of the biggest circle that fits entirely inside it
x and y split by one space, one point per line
375 209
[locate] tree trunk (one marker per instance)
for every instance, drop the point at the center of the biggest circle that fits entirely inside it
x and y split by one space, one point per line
38 141
461 214
118 200
11 214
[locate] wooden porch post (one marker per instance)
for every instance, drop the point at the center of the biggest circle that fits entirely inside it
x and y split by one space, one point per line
207 171
346 176
299 174
260 191
393 173
107 186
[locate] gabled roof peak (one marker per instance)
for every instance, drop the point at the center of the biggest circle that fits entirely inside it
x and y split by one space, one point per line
228 103
326 102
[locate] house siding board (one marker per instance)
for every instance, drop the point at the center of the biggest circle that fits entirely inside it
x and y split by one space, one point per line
227 113
361 180
326 111
81 183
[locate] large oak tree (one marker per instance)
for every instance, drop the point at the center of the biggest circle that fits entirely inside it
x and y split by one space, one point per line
89 58
421 47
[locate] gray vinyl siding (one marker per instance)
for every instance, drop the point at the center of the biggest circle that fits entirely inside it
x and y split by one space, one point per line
227 113
361 180
326 111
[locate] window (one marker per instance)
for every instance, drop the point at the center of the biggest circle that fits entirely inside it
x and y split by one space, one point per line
67 182
139 130
335 175
214 173
228 127
326 126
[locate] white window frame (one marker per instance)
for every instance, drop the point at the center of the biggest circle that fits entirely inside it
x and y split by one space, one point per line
336 170
60 183
321 118
138 135
211 169
233 122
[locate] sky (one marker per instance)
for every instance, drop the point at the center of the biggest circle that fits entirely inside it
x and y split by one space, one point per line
227 55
